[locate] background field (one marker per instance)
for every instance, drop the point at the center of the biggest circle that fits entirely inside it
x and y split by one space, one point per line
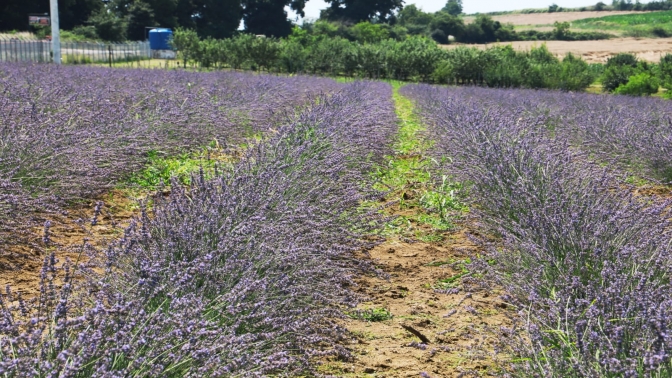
649 49
636 25
547 19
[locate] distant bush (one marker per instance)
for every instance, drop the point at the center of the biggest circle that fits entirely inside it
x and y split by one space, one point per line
660 32
439 36
86 32
615 76
642 84
622 59
576 74
665 71
618 70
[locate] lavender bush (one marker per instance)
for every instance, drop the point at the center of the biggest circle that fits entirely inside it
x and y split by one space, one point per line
634 133
68 133
586 262
240 275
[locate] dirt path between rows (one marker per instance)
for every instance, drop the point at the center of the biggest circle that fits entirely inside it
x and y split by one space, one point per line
72 237
431 317
460 328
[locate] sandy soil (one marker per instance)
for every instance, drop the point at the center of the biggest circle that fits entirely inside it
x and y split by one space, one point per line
20 266
649 49
460 327
549 18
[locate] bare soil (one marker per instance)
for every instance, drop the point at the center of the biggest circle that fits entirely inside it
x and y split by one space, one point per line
20 266
461 327
533 19
649 49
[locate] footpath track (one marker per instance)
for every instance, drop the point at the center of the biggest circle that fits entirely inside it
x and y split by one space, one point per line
428 317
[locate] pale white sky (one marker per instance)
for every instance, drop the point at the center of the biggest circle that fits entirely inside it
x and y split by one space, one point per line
313 7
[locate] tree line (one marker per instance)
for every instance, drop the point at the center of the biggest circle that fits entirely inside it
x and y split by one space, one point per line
414 58
419 59
116 20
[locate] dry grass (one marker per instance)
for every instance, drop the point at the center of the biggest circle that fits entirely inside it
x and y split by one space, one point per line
649 49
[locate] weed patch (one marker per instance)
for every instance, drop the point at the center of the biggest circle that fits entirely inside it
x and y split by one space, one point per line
426 206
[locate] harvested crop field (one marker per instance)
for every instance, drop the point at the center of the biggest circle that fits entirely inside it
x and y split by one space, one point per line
648 49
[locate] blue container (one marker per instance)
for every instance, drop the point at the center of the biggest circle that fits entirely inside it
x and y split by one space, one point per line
159 39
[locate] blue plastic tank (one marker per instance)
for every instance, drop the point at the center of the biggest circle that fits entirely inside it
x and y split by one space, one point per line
159 39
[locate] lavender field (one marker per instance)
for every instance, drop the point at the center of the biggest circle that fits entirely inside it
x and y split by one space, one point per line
585 261
263 204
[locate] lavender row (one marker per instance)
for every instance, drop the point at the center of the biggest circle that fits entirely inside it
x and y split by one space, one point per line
585 262
240 275
73 132
632 133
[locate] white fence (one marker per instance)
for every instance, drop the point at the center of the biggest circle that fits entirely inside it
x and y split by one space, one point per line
73 52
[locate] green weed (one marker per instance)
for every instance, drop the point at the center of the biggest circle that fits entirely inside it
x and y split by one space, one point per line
161 169
455 279
425 208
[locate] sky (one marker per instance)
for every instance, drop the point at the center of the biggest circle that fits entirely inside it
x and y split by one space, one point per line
313 7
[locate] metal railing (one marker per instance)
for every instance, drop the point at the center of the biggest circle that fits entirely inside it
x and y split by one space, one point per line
15 50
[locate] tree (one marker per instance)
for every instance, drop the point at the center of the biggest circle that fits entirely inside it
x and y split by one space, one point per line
371 33
622 4
186 43
415 20
72 13
600 6
217 18
165 12
449 25
489 27
411 14
108 26
362 10
14 13
561 30
453 7
139 16
268 17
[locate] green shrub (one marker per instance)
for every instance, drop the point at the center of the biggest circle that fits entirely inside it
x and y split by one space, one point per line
665 71
622 59
108 27
616 75
509 71
439 36
88 32
467 64
660 32
443 74
367 32
293 56
642 84
542 55
187 44
575 74
264 52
